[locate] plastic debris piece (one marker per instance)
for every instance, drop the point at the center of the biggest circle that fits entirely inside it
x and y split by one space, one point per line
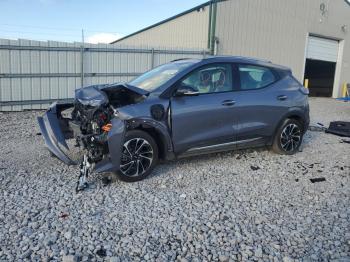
317 179
317 128
63 215
254 168
101 252
339 128
106 180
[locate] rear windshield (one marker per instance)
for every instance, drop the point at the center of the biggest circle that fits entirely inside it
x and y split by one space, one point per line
154 78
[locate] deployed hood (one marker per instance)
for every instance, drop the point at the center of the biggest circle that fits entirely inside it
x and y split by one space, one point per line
97 95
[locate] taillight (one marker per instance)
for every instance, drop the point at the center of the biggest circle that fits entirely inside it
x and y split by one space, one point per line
303 90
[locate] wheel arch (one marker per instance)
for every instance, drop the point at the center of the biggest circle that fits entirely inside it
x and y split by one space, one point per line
295 114
158 132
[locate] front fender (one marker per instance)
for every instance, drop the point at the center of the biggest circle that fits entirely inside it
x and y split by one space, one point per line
115 141
159 127
115 138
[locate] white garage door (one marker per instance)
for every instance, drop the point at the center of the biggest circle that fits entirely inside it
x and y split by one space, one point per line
322 49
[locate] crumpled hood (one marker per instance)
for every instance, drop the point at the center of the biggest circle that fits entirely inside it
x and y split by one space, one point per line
91 95
94 95
125 85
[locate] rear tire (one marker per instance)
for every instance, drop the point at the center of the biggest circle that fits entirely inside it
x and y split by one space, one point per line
288 137
139 156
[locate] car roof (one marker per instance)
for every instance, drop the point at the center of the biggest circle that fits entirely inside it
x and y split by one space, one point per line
234 59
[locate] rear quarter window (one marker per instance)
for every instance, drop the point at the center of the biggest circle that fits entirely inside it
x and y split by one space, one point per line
255 77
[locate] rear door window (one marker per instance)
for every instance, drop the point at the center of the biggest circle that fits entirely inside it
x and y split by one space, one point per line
255 77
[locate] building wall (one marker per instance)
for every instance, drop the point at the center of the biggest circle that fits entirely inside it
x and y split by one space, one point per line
186 31
277 30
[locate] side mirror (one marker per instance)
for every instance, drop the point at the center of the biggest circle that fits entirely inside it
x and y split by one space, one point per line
186 91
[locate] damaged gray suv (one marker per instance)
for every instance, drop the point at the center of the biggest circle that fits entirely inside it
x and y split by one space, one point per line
182 108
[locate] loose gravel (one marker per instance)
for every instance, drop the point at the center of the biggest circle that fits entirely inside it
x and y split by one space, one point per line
242 205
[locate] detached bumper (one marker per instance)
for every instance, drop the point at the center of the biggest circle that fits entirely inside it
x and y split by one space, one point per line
54 129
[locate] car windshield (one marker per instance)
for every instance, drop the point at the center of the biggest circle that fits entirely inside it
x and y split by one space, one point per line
154 78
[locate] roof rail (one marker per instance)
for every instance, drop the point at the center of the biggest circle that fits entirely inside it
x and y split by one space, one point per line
179 59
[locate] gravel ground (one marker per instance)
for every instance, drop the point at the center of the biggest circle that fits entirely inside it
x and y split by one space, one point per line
243 205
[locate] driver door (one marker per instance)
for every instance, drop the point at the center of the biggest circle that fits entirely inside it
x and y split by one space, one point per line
205 117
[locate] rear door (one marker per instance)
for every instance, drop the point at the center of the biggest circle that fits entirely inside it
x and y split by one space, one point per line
261 101
208 118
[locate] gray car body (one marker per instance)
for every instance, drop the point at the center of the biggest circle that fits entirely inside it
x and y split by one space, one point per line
198 124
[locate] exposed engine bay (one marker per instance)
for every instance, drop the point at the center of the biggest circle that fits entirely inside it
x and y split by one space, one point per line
94 107
90 121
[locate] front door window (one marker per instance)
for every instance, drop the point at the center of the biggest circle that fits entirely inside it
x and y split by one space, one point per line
210 79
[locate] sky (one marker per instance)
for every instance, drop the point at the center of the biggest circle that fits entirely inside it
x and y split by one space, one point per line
101 21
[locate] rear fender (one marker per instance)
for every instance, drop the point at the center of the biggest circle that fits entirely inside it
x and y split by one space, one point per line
294 111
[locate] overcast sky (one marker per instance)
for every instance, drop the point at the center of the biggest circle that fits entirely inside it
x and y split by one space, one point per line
102 21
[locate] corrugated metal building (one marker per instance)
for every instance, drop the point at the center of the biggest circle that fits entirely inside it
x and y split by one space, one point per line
311 37
175 31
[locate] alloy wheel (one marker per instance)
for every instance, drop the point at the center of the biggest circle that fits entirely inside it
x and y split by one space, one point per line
290 137
137 157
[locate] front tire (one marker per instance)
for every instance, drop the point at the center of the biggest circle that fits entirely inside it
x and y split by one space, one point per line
139 156
288 137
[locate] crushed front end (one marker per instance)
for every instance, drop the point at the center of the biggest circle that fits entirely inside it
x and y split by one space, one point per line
94 125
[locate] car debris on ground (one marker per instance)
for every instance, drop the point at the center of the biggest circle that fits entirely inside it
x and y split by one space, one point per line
345 141
254 168
340 128
318 127
317 179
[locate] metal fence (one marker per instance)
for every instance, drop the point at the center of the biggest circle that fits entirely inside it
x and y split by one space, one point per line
35 73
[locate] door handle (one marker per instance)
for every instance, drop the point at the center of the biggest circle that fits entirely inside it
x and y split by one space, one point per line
282 97
228 102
